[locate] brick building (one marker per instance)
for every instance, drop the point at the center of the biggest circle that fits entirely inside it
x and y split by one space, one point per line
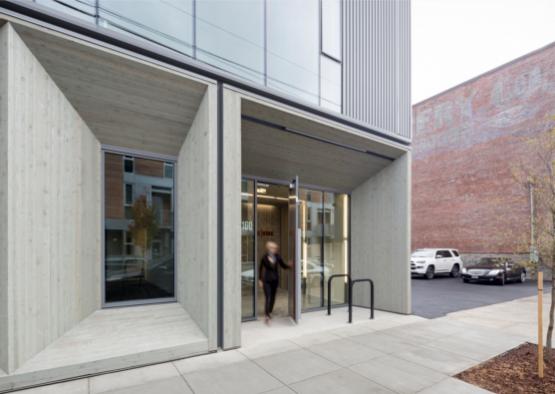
466 143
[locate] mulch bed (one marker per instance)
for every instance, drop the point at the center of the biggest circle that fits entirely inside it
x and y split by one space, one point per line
513 372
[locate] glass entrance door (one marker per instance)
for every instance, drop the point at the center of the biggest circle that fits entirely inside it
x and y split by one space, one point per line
312 229
265 217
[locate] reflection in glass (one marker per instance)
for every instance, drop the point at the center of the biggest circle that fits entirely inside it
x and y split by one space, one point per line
230 35
277 43
312 268
139 230
335 222
293 47
82 9
168 22
247 249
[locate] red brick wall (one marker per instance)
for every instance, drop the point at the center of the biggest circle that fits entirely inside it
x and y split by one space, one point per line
466 143
113 186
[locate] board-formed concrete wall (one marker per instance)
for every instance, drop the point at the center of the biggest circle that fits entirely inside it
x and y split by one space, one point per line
232 219
53 209
380 237
196 222
4 32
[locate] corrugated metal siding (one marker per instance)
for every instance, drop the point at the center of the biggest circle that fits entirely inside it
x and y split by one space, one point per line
376 63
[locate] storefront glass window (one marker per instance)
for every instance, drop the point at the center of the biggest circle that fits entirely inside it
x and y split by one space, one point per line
247 249
312 268
139 230
336 244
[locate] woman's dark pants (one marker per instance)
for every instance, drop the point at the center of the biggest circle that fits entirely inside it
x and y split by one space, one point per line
270 289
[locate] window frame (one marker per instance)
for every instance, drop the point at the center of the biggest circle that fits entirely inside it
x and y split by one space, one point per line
143 155
131 159
442 254
322 51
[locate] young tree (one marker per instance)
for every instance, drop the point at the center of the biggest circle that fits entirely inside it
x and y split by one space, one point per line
144 227
537 173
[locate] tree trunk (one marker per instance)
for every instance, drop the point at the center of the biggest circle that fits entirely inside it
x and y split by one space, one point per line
549 337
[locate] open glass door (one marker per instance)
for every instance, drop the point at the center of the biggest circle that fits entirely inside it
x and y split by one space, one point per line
294 285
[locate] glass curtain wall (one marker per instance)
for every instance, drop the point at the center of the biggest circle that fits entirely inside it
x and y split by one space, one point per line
166 22
230 35
289 45
139 229
293 47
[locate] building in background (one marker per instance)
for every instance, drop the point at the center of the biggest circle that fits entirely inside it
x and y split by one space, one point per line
148 149
467 142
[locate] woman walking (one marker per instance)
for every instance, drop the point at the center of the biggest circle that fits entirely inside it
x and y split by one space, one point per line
268 276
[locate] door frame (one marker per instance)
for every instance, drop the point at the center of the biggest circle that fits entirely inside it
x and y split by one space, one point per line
300 185
295 305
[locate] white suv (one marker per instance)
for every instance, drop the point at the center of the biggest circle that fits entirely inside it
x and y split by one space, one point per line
430 262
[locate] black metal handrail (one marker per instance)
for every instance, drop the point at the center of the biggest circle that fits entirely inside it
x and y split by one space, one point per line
329 287
351 284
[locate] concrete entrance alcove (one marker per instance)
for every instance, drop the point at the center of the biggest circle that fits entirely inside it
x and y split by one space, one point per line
276 141
67 100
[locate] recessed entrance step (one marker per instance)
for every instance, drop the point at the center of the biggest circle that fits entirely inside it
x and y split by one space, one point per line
111 339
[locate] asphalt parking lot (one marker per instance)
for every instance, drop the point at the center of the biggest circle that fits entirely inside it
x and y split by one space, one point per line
443 295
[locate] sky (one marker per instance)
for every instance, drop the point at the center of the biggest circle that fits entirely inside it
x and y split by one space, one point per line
455 40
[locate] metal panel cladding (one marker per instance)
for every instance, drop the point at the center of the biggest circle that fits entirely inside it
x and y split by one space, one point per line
376 63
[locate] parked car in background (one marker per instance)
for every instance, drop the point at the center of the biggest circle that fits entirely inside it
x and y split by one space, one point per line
498 270
431 262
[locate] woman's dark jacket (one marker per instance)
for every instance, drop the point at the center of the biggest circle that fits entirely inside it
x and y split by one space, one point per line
268 271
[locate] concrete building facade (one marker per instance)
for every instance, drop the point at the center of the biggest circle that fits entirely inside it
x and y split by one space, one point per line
468 142
149 152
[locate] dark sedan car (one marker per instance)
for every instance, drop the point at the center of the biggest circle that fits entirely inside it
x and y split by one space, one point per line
494 269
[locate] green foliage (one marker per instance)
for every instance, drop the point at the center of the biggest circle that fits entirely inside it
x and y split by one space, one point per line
144 227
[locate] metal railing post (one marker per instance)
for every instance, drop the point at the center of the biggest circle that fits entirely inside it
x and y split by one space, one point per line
351 301
329 288
371 297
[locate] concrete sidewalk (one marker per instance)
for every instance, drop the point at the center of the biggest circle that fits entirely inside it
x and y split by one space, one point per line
391 354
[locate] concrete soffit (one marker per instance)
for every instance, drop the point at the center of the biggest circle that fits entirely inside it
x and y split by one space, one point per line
322 153
125 102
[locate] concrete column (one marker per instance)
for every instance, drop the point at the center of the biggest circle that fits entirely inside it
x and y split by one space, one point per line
4 336
232 220
196 221
380 237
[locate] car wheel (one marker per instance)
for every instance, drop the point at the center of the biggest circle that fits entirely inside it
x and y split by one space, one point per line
430 271
455 271
466 280
501 281
522 277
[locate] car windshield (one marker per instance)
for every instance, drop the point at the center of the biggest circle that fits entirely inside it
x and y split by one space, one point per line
491 262
423 253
